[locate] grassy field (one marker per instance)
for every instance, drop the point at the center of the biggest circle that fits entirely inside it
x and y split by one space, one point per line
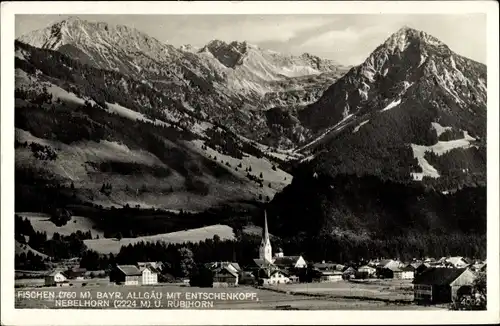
107 246
41 222
256 298
389 290
24 248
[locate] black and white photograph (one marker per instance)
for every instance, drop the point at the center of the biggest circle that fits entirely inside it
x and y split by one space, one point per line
182 161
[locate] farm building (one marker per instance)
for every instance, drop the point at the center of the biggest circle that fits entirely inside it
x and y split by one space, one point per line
323 266
158 265
390 264
290 262
76 273
275 277
125 274
442 285
408 272
327 276
260 263
457 262
246 277
397 273
56 279
149 275
225 276
370 271
348 273
419 267
235 267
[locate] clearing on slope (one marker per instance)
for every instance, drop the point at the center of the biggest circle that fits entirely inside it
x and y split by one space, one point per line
106 246
41 223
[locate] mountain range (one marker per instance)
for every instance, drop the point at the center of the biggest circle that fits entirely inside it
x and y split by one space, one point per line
110 116
231 83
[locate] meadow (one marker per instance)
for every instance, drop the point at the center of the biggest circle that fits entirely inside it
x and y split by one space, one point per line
371 289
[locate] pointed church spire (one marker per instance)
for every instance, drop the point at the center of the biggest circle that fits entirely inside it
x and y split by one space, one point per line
265 251
265 234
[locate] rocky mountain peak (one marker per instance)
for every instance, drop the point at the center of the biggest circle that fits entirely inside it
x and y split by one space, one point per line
407 60
410 38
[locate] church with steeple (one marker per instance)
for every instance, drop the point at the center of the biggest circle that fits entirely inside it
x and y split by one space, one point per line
265 250
266 259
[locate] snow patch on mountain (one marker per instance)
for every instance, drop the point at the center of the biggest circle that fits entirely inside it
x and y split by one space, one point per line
391 105
482 85
440 148
363 91
20 54
359 126
439 129
406 85
132 115
427 169
58 92
336 127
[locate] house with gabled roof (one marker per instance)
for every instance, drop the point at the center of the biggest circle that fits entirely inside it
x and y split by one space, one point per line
275 277
56 278
225 276
149 274
290 262
325 266
125 274
457 262
408 272
75 272
158 265
235 267
442 285
369 270
348 273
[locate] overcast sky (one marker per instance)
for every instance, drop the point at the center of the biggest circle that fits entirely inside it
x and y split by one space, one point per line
347 38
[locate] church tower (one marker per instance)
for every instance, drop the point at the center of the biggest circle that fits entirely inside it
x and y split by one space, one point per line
265 251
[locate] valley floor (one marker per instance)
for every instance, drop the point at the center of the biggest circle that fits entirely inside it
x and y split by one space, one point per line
269 299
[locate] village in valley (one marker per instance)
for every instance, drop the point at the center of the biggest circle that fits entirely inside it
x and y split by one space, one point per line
445 282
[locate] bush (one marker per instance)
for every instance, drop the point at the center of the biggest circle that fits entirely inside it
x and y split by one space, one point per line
202 278
60 216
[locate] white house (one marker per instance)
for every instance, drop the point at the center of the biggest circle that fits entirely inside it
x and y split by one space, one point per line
158 265
371 271
149 275
328 276
457 262
390 264
408 273
276 277
290 262
233 267
56 279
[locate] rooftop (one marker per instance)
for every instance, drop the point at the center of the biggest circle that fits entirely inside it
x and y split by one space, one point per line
438 276
129 270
